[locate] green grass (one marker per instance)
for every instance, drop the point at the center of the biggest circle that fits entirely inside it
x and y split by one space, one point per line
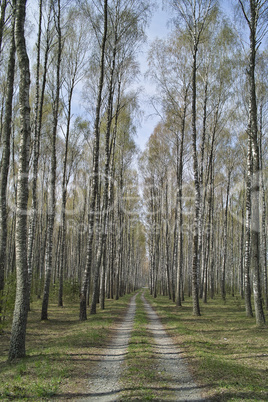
227 353
61 352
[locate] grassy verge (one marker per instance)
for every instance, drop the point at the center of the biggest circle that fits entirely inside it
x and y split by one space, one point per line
140 379
226 352
60 352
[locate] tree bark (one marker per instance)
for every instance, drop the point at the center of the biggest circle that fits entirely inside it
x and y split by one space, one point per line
195 264
94 183
18 332
4 167
64 197
247 257
225 243
52 184
103 234
241 282
36 149
180 212
255 227
263 232
2 21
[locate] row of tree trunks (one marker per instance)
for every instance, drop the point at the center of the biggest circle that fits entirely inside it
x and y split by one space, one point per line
95 170
250 254
52 184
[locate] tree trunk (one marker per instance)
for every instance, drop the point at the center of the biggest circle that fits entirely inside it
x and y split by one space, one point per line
247 257
2 21
18 332
38 114
103 234
223 289
36 150
242 254
52 197
4 168
195 263
64 197
180 212
212 235
263 232
94 183
255 195
202 250
208 236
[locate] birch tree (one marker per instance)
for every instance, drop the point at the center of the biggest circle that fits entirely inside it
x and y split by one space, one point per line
256 15
3 8
52 185
95 169
5 161
73 70
195 16
126 22
18 332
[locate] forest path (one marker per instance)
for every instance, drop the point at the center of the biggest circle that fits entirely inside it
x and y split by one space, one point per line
179 384
176 382
104 385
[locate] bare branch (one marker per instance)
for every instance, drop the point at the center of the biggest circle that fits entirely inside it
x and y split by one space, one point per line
244 12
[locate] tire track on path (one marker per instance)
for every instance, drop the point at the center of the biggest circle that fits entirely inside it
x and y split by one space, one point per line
179 384
175 380
104 384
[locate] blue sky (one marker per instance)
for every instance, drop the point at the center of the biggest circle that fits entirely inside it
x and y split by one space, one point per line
157 28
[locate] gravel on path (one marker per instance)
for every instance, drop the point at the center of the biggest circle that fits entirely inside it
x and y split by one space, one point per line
173 370
104 384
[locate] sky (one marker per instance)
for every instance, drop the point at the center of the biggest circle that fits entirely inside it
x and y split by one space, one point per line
157 28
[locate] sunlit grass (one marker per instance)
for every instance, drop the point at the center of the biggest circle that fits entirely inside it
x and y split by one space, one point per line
226 352
61 352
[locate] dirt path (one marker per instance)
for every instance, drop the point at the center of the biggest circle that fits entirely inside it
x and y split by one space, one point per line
105 384
179 384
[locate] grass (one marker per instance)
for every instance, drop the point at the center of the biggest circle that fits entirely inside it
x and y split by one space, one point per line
61 352
140 378
226 352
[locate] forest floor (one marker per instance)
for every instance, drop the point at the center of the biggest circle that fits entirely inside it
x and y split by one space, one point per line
126 352
159 374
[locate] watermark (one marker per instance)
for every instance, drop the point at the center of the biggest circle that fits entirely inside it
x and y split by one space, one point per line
151 204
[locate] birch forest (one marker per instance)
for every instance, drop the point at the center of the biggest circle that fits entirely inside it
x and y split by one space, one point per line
86 214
